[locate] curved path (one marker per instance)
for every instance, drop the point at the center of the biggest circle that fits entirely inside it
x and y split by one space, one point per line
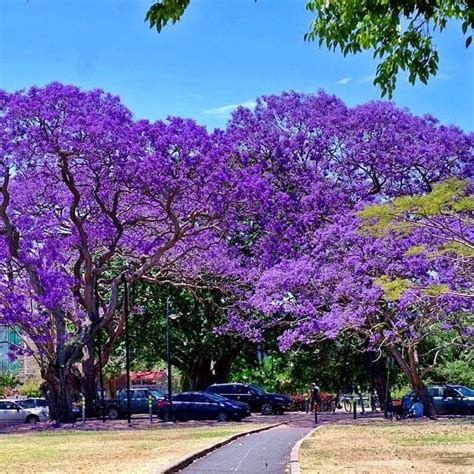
265 452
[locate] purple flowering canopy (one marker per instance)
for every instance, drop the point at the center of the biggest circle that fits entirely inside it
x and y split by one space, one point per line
320 270
88 194
271 206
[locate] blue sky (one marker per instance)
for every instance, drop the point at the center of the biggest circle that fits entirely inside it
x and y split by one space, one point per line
222 53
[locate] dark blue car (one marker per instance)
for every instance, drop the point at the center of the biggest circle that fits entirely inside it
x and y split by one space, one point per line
201 406
448 399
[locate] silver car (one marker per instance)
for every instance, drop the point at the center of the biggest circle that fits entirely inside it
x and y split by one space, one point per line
12 413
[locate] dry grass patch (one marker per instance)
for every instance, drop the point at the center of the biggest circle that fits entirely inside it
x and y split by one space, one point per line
108 451
385 447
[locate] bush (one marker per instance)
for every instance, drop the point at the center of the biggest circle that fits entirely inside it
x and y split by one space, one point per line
31 388
8 382
298 402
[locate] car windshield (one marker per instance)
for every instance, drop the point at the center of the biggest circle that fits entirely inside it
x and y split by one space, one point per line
467 392
215 398
26 403
156 394
257 389
40 403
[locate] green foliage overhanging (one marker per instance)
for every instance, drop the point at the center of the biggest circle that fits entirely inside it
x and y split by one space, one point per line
399 32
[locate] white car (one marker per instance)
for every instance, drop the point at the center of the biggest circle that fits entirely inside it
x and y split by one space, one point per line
36 404
12 413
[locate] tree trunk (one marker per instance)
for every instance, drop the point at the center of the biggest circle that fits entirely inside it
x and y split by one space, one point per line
201 376
410 370
422 393
57 388
222 369
88 381
205 371
375 372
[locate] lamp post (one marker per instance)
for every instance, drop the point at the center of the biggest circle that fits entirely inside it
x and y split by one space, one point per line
99 349
170 314
387 386
127 345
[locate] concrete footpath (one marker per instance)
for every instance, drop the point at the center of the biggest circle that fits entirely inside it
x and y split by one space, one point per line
268 451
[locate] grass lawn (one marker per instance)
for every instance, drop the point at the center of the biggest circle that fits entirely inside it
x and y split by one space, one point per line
106 451
445 446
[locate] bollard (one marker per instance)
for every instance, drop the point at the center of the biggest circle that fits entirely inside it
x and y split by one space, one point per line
315 416
83 405
361 399
354 410
150 407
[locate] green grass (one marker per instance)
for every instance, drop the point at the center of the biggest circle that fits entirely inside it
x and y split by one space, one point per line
106 451
430 446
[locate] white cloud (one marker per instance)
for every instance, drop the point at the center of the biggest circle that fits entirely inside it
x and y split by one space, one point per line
365 79
344 80
227 109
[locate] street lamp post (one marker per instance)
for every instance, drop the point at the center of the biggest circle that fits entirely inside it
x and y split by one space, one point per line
99 348
170 314
387 386
127 345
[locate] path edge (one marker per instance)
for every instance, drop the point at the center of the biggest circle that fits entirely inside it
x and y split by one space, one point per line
295 452
176 466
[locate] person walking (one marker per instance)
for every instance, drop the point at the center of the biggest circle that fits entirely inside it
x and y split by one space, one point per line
314 400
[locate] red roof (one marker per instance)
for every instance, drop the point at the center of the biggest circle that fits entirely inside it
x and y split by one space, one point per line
147 375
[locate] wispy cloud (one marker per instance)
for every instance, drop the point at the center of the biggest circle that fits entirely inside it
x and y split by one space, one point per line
227 109
366 79
344 80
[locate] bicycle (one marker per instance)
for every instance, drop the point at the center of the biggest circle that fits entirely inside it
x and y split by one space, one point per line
328 404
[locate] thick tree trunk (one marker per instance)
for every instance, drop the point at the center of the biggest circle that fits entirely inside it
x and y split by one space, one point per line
201 376
422 393
374 369
58 389
205 371
410 370
222 369
89 383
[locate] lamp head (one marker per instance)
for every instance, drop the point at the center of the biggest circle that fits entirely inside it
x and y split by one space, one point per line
173 315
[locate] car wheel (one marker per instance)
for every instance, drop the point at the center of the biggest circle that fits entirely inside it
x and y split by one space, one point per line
267 409
32 420
113 414
222 416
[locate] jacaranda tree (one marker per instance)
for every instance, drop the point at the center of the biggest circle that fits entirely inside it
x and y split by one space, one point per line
90 195
267 210
320 272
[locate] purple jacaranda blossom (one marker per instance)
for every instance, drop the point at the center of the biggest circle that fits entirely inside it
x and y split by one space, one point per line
267 208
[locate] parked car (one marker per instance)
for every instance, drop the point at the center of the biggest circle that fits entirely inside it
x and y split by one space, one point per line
448 399
39 403
117 407
201 406
12 413
258 399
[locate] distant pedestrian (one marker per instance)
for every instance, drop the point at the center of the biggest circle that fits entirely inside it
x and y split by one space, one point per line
373 400
315 398
416 410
